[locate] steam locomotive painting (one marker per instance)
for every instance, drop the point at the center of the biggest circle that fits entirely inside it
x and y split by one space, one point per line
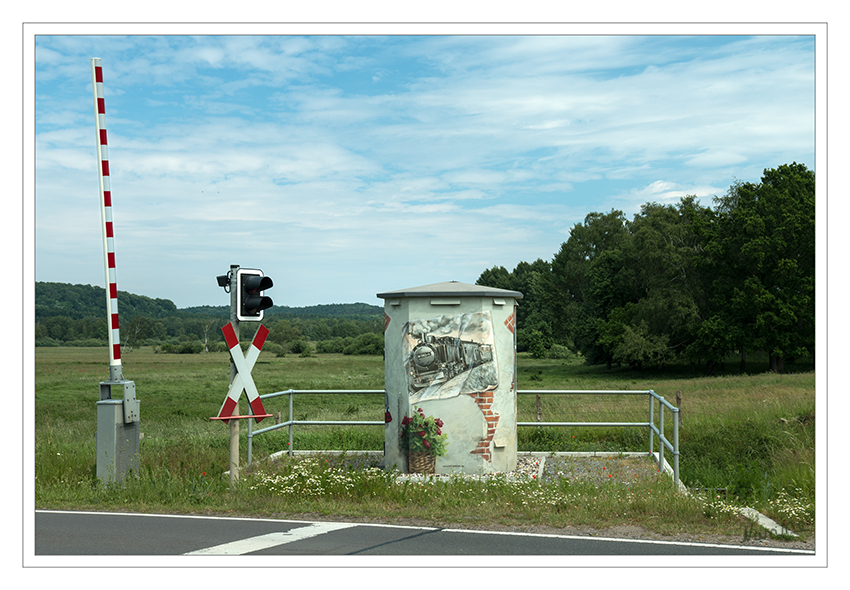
439 359
450 355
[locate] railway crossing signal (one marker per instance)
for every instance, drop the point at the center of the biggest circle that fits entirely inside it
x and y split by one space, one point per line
246 287
250 297
247 302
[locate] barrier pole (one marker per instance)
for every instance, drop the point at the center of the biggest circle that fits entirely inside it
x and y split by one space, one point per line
115 372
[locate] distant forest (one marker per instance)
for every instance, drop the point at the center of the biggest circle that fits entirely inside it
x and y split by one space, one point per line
75 315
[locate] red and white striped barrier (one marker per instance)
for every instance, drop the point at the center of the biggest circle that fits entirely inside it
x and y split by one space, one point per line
243 379
106 213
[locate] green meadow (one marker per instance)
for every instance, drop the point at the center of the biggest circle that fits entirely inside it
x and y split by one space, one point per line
745 440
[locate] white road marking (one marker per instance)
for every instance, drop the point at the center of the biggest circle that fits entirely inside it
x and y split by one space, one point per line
243 546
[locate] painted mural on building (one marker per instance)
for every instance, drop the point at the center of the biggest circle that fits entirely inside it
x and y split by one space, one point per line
450 355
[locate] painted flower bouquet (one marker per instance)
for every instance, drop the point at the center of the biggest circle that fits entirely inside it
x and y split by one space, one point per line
424 439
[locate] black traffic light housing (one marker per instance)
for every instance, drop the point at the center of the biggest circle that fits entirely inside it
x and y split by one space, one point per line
250 300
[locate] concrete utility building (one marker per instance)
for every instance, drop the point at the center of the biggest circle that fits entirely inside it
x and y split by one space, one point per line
450 349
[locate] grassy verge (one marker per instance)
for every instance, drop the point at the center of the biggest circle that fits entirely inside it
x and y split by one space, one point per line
321 489
747 438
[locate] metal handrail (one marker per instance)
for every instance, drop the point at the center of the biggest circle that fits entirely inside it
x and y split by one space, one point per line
290 423
654 431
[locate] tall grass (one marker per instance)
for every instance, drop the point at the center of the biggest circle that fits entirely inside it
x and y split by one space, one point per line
749 436
752 437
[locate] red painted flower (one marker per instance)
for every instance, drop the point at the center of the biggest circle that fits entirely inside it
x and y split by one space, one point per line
439 423
405 421
427 444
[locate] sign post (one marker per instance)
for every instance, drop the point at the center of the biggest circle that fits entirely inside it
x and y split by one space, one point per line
234 448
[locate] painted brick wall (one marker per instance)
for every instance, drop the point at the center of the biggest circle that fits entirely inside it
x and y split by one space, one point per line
484 400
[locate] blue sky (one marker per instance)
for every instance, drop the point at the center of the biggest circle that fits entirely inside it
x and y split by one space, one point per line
345 166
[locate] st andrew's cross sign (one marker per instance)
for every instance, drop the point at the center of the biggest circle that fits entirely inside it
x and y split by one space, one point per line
242 379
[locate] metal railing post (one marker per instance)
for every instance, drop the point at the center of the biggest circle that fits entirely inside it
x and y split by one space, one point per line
290 424
651 421
676 445
661 438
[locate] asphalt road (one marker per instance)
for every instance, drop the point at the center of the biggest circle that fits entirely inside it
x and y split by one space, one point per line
104 533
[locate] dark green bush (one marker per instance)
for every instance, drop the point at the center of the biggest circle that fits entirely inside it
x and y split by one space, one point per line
193 347
275 349
559 352
334 345
366 344
87 342
300 346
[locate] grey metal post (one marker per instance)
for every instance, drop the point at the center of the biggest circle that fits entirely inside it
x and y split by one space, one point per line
234 320
250 439
117 437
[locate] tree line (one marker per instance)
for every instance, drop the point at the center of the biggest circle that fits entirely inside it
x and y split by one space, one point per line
680 283
75 315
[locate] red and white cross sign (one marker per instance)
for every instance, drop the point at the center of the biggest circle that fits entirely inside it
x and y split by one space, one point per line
243 379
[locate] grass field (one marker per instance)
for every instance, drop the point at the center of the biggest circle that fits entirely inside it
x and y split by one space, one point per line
750 436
